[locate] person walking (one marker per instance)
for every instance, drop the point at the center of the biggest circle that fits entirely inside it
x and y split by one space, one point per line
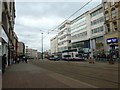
26 59
4 62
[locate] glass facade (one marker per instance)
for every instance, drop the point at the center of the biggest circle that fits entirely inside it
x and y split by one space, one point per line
80 35
82 44
79 28
79 21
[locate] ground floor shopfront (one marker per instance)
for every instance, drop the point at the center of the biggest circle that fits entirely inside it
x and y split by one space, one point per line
5 46
112 43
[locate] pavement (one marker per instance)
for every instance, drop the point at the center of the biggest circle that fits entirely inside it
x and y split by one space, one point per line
26 75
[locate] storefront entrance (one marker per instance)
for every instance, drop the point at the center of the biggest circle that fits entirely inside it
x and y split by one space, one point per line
114 50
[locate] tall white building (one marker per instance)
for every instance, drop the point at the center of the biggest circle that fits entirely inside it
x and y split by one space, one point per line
80 31
97 28
64 36
54 44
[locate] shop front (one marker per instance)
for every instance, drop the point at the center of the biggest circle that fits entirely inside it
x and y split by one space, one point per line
112 44
3 43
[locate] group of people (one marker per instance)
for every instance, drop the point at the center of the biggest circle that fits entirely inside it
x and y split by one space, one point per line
23 59
18 60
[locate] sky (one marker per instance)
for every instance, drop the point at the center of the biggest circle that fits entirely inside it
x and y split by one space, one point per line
34 18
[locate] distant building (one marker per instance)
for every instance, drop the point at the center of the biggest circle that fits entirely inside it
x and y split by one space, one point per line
54 44
21 49
32 53
47 53
64 36
39 55
15 40
112 24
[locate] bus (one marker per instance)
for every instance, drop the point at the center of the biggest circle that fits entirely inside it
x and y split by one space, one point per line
72 55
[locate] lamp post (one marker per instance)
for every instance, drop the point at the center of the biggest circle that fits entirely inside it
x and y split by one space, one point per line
26 51
42 44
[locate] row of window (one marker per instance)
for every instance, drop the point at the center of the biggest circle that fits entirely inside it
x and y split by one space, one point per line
112 2
79 35
79 28
96 30
79 21
64 36
66 41
64 48
97 12
114 26
65 30
83 44
99 20
64 25
113 13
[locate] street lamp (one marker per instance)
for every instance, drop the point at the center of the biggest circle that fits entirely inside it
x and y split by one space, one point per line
42 44
27 51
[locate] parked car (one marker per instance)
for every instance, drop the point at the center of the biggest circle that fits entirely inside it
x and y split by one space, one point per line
55 58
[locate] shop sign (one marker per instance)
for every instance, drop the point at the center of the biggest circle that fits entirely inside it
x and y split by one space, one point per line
112 40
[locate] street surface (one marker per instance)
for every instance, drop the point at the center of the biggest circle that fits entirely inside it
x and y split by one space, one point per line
61 74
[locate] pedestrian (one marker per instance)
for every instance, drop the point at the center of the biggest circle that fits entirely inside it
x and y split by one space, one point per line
18 60
4 62
26 59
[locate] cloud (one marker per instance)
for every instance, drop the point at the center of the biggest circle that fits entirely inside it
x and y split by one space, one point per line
32 18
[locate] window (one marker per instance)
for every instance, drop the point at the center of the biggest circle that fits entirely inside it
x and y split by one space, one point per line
79 35
97 30
108 27
99 20
107 16
106 5
78 22
112 2
96 12
79 28
115 26
113 13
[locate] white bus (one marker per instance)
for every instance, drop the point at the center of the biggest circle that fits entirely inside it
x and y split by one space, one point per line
72 55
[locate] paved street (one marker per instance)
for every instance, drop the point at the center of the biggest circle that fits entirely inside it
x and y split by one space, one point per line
61 74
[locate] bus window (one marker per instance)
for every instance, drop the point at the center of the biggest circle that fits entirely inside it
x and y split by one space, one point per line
76 55
67 56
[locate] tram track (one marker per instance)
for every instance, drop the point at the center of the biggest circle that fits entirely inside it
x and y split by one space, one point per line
90 75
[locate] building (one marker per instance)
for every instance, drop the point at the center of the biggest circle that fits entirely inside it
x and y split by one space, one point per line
15 42
64 36
39 55
32 53
7 21
47 53
112 24
54 44
21 49
97 28
80 32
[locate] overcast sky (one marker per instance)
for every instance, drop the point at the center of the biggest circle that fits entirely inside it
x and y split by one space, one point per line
32 18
